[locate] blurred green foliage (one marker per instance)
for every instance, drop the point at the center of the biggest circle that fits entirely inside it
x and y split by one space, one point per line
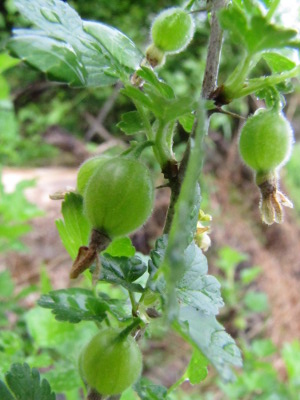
292 177
15 213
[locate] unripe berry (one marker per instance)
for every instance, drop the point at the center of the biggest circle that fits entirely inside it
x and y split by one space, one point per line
265 145
86 170
266 140
119 196
172 30
110 364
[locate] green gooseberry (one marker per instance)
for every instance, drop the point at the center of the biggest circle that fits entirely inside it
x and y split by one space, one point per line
119 196
110 364
86 170
266 140
172 30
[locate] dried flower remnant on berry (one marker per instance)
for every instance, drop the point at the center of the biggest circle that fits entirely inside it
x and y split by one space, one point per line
272 199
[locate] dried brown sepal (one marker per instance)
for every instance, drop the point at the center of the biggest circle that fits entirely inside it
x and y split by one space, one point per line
94 395
60 195
155 56
87 255
272 199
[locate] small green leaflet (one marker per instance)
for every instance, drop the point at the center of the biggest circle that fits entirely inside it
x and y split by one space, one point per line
24 384
248 275
187 122
149 76
123 271
254 31
278 63
197 369
74 229
74 305
61 46
131 123
120 247
159 97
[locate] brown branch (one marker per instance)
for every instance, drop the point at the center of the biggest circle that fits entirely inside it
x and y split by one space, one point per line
96 125
208 87
214 50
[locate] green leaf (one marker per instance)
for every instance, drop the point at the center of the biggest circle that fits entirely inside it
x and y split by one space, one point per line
6 284
137 95
291 356
253 30
25 384
116 307
63 376
264 35
207 335
10 342
74 305
4 392
229 258
7 62
194 288
74 229
49 55
199 299
248 275
118 45
131 123
159 98
278 63
156 281
123 271
187 122
149 391
148 75
61 46
256 301
67 339
263 347
15 210
4 89
197 368
120 247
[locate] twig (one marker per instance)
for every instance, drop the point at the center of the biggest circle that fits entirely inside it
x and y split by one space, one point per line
94 395
96 127
98 121
214 51
199 10
231 114
208 87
